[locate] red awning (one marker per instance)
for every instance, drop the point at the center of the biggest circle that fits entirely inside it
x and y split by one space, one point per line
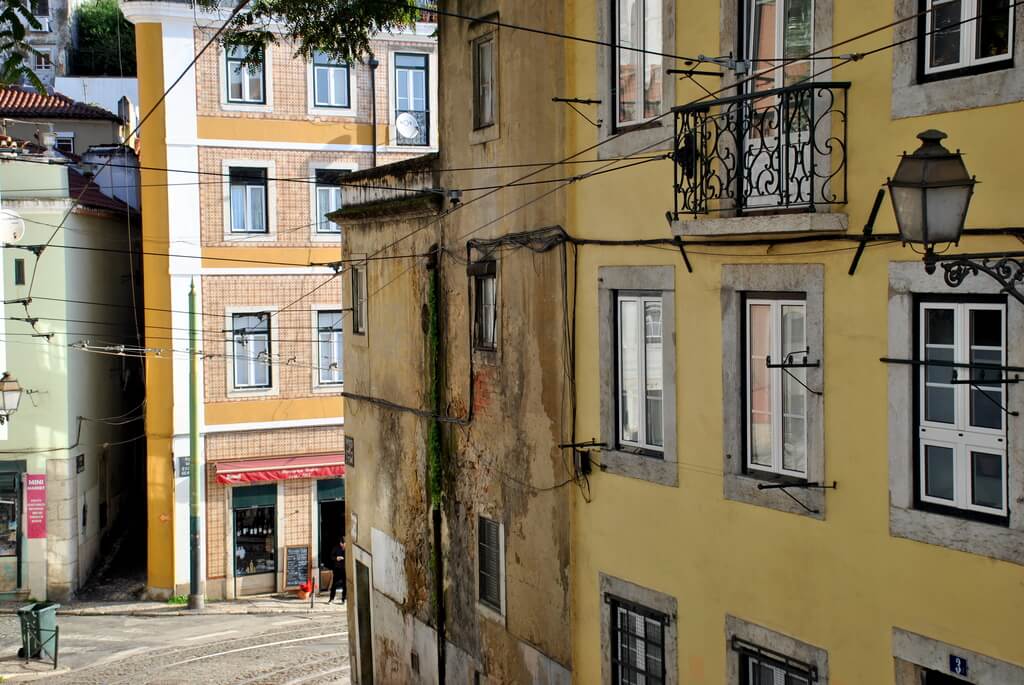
280 468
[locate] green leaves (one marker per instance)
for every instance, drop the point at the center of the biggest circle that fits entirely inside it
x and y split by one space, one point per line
15 15
106 41
341 28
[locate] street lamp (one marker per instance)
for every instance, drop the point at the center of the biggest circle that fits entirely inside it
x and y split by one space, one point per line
10 396
931 191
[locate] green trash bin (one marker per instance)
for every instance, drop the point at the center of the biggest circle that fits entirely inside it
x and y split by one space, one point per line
39 631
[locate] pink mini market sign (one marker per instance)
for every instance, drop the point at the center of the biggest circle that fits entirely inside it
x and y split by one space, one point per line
35 504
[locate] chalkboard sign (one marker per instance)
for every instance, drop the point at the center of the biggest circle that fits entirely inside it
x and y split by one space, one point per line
296 565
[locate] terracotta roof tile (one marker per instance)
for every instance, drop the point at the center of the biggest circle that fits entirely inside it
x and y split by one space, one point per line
21 102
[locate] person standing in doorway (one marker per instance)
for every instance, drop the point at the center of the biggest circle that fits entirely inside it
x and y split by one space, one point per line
338 565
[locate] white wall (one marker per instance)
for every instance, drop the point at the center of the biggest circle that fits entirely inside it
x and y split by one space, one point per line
104 91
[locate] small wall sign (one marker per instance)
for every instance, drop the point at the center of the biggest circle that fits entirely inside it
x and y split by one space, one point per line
184 467
80 463
350 451
958 665
35 505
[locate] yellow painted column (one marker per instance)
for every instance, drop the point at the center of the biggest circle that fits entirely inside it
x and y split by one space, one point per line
157 293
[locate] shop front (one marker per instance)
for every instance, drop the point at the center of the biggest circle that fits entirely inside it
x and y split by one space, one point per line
269 520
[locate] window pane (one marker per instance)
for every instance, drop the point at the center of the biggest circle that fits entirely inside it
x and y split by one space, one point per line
652 63
760 424
402 86
793 338
653 368
255 84
987 327
241 361
939 404
794 444
419 90
260 350
761 36
629 371
237 208
628 60
946 37
234 82
411 60
986 409
321 78
939 326
938 472
939 374
987 480
796 40
257 209
339 76
993 30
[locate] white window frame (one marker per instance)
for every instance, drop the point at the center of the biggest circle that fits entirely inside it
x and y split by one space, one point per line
641 57
432 101
251 360
271 201
968 38
642 299
64 136
247 98
777 354
747 35
315 218
330 67
484 83
227 104
42 60
480 309
496 614
338 339
961 437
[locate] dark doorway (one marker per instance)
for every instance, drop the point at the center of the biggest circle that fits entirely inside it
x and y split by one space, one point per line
363 620
332 528
930 677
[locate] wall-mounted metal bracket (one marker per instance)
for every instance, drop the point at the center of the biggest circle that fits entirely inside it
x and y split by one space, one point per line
869 228
572 102
784 488
789 362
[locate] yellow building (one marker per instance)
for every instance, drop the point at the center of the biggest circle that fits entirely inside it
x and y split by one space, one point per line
241 167
728 394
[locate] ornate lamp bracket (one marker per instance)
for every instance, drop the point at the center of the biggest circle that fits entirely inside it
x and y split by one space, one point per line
1007 268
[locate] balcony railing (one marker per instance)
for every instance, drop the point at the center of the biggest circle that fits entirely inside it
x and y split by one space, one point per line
412 127
768 150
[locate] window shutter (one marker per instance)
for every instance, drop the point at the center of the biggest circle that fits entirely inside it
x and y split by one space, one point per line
490 563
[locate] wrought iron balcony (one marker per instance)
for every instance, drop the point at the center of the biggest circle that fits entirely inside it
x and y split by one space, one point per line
763 151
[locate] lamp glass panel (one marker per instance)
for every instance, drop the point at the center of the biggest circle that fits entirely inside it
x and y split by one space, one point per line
908 205
946 209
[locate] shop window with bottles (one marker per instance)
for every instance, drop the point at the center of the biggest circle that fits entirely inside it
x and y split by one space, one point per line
255 540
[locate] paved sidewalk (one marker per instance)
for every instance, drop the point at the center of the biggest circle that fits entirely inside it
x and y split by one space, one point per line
255 605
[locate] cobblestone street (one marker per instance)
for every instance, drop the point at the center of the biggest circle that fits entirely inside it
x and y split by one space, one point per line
219 649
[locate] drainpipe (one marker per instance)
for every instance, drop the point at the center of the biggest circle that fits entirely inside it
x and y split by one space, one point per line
373 64
435 452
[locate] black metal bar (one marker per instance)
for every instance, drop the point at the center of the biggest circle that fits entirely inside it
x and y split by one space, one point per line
792 666
813 485
578 101
757 95
986 381
686 258
790 364
954 365
869 228
694 72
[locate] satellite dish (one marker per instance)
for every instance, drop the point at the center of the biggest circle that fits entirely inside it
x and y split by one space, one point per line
12 226
407 125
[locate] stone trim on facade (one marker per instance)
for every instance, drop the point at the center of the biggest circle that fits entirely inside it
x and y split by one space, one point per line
661 279
776 642
911 652
1006 543
738 279
646 597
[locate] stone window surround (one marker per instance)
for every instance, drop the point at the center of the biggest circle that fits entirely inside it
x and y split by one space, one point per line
478 34
776 642
229 366
268 84
663 471
641 137
651 599
319 388
918 650
1006 543
354 267
738 279
956 93
430 51
824 219
271 200
353 93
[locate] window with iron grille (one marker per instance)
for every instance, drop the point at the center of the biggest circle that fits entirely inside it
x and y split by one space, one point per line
412 120
760 666
330 82
246 85
961 421
485 305
637 643
330 347
250 334
328 198
489 559
248 200
640 371
358 287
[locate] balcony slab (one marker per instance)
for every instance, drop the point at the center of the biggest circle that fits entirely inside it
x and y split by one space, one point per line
816 222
